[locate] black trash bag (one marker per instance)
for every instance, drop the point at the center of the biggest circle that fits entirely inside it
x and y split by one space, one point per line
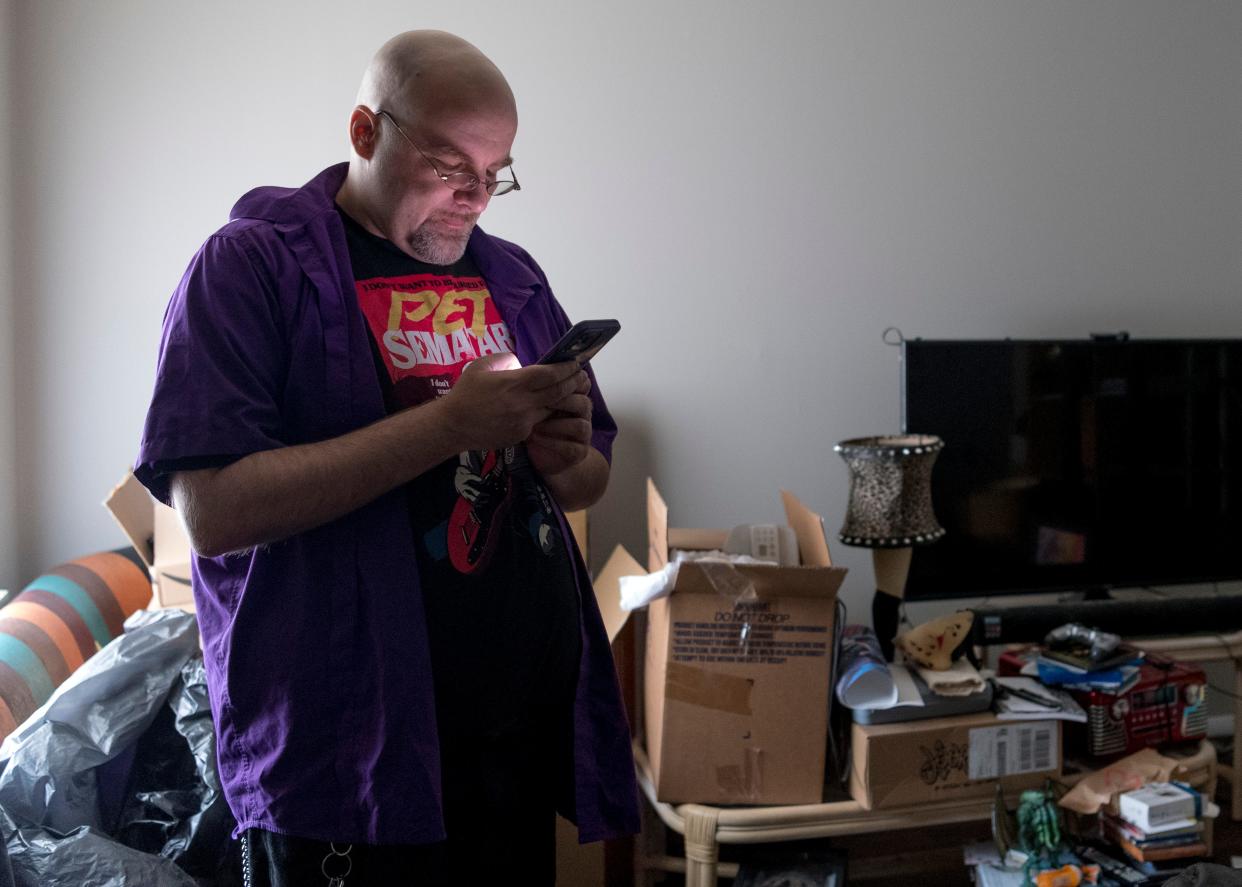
133 715
173 804
84 857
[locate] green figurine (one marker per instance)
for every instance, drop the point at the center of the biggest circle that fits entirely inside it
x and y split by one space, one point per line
1035 829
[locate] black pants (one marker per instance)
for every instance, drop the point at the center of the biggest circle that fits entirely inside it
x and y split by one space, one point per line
499 810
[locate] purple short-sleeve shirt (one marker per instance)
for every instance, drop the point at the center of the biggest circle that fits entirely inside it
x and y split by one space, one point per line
316 646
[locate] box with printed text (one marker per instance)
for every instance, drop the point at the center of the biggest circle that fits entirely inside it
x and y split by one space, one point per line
737 668
949 759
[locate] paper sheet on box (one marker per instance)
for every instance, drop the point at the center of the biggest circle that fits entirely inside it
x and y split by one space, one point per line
907 691
1010 750
989 875
1014 708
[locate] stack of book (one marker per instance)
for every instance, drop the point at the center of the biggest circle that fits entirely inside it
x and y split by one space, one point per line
1158 822
1075 670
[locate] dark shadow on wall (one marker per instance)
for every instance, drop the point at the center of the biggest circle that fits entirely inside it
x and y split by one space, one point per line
620 518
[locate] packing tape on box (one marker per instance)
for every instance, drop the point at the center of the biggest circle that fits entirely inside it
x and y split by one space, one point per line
709 689
744 782
730 584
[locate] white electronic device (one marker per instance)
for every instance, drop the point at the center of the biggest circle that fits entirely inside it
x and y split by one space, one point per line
765 542
1158 804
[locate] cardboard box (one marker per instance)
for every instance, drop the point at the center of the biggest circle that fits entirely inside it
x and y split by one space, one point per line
156 533
737 667
950 759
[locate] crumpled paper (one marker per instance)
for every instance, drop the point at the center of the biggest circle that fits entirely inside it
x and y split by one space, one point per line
1096 791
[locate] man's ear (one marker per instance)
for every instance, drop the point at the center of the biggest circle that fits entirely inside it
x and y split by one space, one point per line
362 127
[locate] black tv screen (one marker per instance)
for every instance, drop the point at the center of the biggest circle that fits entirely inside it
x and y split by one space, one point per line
1078 465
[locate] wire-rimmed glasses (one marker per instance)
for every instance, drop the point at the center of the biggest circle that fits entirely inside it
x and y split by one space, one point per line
460 181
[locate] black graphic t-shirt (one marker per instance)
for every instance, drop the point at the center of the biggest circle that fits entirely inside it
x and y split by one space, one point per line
497 580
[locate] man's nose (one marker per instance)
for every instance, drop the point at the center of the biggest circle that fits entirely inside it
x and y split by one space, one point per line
475 199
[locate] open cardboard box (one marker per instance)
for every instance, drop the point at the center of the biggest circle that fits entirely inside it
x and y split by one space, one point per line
737 670
156 533
155 530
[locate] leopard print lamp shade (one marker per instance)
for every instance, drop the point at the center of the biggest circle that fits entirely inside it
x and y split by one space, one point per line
890 491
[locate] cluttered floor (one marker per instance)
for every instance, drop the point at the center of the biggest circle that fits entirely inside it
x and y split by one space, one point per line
935 855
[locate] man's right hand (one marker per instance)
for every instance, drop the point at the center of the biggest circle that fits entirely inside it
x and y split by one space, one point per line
497 402
272 494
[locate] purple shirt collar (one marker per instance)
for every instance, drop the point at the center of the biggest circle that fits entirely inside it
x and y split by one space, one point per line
290 209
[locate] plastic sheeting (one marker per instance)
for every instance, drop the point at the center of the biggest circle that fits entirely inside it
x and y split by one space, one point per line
113 781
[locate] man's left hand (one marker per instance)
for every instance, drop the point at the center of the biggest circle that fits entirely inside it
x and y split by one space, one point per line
562 440
560 449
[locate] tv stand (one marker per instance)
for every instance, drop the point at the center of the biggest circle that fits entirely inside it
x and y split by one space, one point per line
1094 593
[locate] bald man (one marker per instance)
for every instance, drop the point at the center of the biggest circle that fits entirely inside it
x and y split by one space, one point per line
408 672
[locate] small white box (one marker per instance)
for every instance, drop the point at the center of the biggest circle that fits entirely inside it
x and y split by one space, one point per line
1159 803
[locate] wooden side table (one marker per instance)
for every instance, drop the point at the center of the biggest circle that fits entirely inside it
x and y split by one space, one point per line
705 828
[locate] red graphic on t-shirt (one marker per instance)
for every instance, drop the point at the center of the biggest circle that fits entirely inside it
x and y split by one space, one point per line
484 486
428 327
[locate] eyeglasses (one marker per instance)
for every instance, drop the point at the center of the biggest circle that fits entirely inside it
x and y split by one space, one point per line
460 181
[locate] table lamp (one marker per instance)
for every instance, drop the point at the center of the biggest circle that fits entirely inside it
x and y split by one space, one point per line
890 512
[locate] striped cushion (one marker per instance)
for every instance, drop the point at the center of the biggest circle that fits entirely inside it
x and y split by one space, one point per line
59 621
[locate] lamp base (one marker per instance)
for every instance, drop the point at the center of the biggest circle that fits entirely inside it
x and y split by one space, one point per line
891 565
885 614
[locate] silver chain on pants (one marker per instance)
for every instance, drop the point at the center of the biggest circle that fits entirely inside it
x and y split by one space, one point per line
333 853
334 880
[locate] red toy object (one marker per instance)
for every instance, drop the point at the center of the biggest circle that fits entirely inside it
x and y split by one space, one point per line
1168 705
1011 662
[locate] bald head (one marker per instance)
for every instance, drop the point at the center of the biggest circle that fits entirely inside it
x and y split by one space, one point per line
430 105
424 73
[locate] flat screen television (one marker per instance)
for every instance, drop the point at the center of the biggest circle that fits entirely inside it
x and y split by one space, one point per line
1078 465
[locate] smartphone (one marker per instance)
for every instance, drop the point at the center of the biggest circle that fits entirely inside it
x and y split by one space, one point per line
583 341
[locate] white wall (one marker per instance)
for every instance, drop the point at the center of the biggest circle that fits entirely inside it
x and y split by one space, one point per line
755 190
8 452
